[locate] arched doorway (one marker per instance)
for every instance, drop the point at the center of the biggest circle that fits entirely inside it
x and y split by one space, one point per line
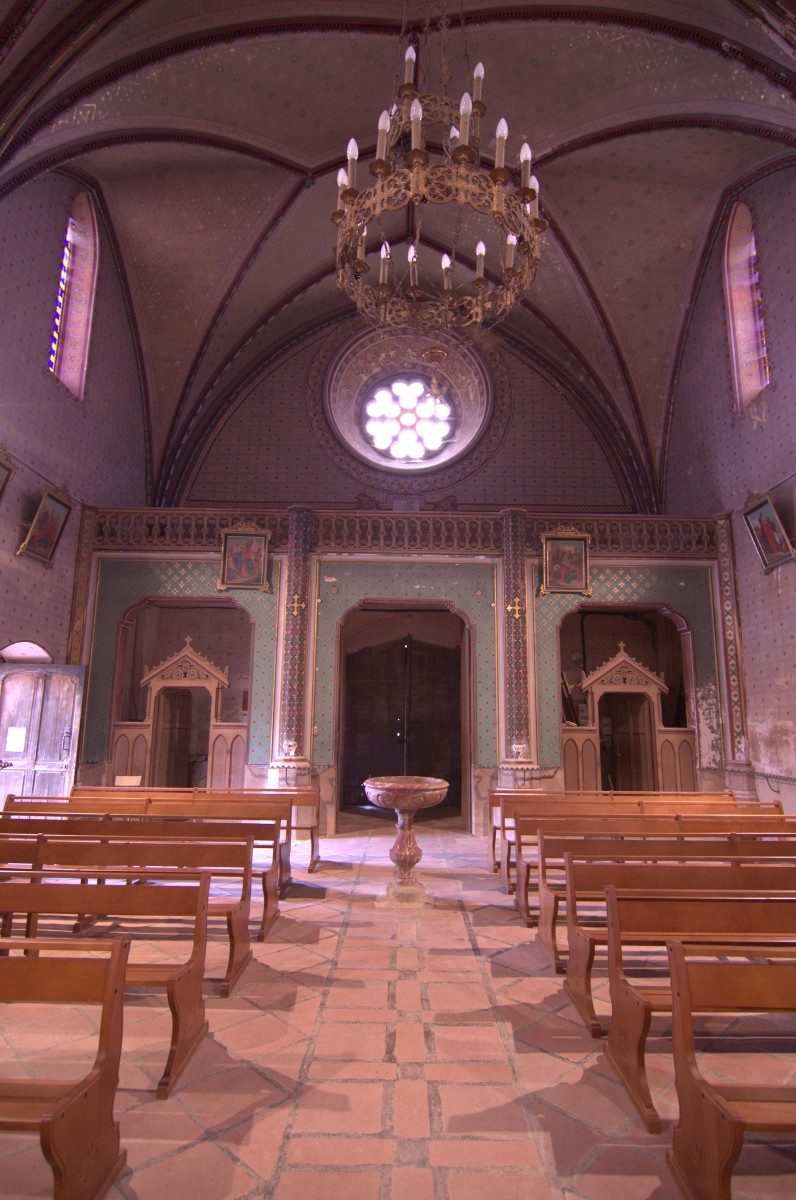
404 703
627 700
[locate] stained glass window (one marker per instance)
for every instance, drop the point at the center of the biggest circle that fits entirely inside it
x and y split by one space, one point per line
746 327
74 303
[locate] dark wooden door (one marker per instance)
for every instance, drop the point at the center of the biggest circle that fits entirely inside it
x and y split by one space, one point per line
39 723
172 736
627 751
402 716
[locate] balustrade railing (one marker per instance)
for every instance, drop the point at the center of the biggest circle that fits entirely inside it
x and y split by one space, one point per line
441 533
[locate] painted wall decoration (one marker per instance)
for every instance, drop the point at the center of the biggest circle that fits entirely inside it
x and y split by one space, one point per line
121 584
686 589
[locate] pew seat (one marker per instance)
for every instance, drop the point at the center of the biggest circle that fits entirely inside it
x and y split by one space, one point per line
72 1116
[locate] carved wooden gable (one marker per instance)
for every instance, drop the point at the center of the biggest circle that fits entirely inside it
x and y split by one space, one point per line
188 667
623 673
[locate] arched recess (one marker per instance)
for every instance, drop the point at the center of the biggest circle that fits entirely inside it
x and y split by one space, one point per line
185 719
628 703
404 701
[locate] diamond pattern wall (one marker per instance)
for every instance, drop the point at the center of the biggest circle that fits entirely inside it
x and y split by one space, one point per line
685 589
122 584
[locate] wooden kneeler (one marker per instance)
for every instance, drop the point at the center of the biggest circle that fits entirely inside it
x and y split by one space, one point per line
74 1117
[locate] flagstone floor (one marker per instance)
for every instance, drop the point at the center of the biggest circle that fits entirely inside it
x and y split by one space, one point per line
375 1054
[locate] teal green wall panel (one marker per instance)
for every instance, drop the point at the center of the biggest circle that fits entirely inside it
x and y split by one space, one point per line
123 583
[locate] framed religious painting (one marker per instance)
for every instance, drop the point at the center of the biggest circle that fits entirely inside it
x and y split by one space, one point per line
244 559
767 532
47 526
6 471
565 562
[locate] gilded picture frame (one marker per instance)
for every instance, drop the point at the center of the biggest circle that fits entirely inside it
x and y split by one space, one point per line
565 562
46 527
6 471
767 532
244 559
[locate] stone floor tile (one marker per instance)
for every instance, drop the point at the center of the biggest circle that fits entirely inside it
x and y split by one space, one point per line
458 1043
412 1183
339 1151
349 1041
482 1110
326 1106
204 1170
411 1117
351 1184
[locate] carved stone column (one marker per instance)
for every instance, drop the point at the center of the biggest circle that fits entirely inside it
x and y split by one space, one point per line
292 763
515 766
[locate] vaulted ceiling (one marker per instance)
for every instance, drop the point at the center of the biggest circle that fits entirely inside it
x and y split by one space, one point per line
211 135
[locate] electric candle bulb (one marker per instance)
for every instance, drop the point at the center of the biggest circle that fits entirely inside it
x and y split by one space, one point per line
534 186
478 79
412 266
409 64
465 112
525 163
502 132
342 184
384 129
511 242
353 155
454 136
480 251
416 116
446 272
384 265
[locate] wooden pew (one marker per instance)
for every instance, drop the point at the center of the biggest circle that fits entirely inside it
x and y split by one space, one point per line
715 1116
527 805
73 1117
629 824
230 860
640 847
304 801
36 893
587 881
650 920
503 800
268 835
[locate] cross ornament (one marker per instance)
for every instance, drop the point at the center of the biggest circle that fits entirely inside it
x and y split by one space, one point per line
514 608
298 604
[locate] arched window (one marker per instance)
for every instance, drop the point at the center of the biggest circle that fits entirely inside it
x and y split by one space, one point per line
74 305
747 334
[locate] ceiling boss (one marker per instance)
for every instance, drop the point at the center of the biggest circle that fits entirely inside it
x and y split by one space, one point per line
414 168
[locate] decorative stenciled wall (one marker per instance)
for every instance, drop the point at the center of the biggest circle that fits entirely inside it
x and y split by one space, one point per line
717 458
685 589
88 446
469 587
122 583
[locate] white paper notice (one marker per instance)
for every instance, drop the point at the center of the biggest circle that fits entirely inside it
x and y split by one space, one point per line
15 739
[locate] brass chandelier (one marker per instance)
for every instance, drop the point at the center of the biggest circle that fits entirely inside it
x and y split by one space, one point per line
410 173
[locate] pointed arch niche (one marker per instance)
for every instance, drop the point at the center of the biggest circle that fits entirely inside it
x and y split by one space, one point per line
627 701
183 722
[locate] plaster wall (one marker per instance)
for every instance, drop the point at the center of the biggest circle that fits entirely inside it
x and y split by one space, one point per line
276 448
717 458
53 438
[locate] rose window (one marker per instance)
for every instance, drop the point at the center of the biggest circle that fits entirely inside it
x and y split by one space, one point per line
408 420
